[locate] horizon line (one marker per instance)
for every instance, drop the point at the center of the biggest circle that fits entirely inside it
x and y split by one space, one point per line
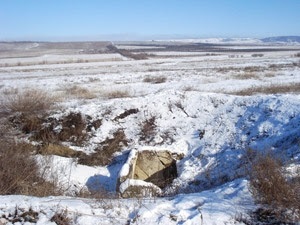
109 38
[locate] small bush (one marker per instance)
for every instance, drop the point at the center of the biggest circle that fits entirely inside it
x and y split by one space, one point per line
61 218
17 169
19 172
80 92
155 80
29 102
297 54
28 109
271 188
148 129
117 94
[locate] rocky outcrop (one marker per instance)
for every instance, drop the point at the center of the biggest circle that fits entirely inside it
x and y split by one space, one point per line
146 172
158 167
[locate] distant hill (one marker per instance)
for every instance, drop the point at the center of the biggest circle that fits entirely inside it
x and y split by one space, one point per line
285 39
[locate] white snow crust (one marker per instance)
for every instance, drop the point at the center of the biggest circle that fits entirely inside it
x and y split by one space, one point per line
197 97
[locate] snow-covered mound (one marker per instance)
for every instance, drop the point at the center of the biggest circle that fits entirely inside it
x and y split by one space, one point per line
217 206
212 131
179 101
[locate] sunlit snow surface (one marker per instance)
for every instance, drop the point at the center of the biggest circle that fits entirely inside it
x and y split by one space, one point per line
215 206
195 97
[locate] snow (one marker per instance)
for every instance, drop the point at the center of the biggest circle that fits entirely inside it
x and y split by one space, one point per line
132 182
208 207
198 208
126 166
180 148
218 40
72 176
195 99
63 59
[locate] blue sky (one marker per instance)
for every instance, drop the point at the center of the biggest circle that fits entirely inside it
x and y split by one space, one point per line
144 19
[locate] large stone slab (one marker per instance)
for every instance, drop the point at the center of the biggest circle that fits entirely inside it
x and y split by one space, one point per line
155 167
158 168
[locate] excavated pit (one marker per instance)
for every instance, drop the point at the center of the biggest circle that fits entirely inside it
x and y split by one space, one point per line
147 170
158 168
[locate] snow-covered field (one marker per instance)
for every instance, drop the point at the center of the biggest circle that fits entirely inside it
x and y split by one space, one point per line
236 100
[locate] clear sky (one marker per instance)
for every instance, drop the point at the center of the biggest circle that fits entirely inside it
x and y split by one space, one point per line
144 19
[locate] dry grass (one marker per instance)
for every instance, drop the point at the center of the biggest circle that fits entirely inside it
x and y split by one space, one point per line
60 150
155 79
270 187
272 89
269 74
257 55
61 218
19 172
29 101
189 88
282 66
228 69
296 64
252 69
148 129
126 113
26 123
105 152
21 216
73 128
80 92
10 91
247 76
116 94
247 69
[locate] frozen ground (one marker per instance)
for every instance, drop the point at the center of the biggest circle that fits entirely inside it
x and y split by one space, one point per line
209 207
241 97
